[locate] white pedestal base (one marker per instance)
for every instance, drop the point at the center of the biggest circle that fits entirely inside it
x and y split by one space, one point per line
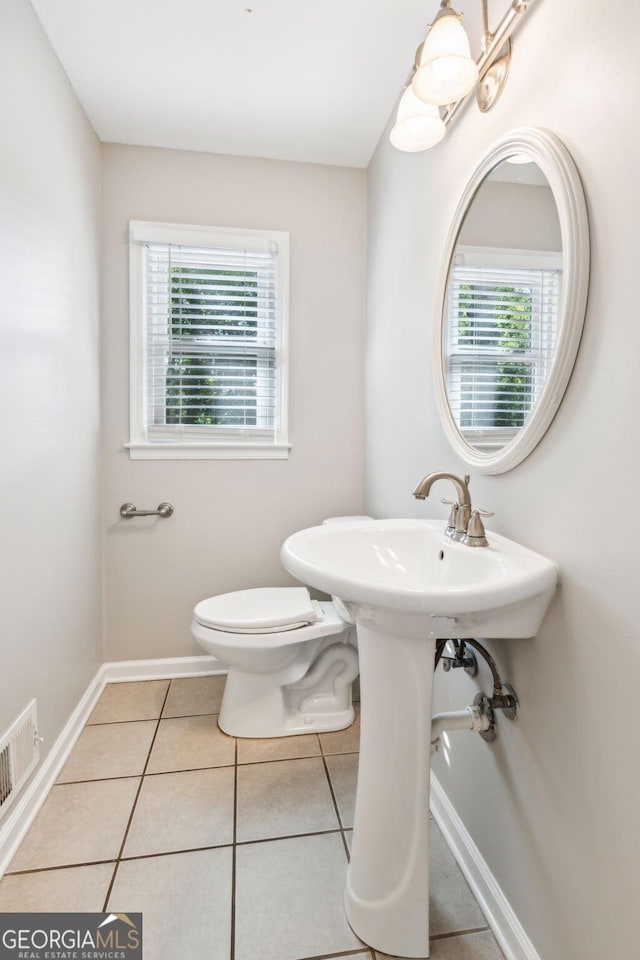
387 891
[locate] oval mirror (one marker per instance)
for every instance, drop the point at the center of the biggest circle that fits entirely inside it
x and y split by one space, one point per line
511 300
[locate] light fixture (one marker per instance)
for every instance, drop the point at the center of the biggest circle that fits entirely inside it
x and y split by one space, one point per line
418 125
446 71
444 74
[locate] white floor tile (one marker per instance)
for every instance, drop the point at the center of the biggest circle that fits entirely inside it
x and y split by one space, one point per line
343 770
343 741
282 748
78 823
109 750
71 890
130 701
289 899
469 946
284 798
190 743
182 811
193 696
185 900
452 906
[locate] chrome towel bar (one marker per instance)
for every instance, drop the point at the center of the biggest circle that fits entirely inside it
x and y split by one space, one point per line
128 510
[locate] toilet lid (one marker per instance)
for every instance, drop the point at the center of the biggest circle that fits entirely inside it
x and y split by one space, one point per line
262 610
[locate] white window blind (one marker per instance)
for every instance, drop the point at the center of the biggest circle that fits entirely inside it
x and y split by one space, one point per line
502 328
208 342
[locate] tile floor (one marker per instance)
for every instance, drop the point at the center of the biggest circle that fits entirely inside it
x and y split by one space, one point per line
233 850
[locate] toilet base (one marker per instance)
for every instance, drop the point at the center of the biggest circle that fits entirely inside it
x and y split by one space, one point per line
257 706
290 726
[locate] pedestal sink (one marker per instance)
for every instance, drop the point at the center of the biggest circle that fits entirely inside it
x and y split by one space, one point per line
407 585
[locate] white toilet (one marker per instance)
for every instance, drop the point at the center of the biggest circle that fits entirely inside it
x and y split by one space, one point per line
291 659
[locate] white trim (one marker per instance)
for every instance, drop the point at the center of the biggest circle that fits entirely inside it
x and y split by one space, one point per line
557 165
14 828
208 451
171 668
232 238
508 931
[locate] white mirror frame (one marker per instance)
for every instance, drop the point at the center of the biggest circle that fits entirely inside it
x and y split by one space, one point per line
557 165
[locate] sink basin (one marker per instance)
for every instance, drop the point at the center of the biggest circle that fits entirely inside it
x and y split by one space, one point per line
410 566
407 585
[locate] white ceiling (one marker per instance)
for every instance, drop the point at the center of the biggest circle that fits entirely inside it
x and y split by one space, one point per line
311 80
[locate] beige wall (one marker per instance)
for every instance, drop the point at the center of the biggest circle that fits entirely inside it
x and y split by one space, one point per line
512 215
553 804
231 516
50 523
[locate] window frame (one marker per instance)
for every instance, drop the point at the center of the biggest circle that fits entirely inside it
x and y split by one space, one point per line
140 445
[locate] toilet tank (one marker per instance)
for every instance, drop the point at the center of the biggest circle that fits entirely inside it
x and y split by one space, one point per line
345 519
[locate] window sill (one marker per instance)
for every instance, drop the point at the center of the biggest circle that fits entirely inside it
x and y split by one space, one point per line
208 451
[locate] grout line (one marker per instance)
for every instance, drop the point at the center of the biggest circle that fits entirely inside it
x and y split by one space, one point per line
74 783
182 716
173 853
116 723
234 848
114 860
345 953
58 866
335 802
310 756
135 801
458 933
185 716
288 836
153 773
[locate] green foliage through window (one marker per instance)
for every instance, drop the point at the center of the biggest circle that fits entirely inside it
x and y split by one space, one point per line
494 320
208 387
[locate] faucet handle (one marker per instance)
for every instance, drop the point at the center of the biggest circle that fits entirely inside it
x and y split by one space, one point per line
453 517
484 513
475 533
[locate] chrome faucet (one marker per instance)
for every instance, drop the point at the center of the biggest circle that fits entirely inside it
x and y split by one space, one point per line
464 524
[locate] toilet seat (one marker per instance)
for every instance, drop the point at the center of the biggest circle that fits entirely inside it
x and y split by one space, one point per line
329 622
258 611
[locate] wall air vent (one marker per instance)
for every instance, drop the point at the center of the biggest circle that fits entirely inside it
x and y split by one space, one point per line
19 755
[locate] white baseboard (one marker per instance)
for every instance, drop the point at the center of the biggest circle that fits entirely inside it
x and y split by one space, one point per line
506 927
171 668
26 807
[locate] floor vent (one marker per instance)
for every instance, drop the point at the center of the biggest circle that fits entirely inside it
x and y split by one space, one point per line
19 755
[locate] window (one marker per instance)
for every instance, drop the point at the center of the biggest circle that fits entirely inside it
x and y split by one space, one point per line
503 310
208 342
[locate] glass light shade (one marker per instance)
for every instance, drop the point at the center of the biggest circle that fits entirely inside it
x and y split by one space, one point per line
447 71
418 125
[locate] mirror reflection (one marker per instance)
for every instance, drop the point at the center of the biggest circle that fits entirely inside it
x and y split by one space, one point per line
502 309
